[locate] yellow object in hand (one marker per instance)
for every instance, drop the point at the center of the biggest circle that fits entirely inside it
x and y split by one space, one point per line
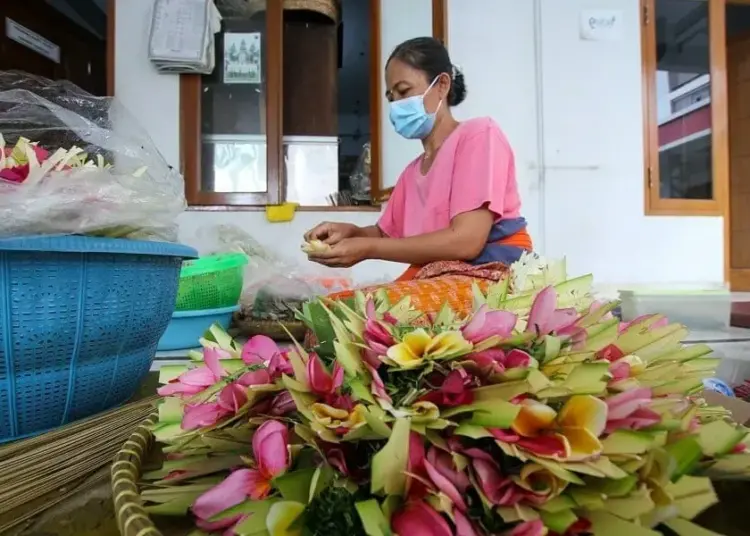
315 246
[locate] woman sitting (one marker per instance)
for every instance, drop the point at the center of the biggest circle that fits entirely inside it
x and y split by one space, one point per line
457 204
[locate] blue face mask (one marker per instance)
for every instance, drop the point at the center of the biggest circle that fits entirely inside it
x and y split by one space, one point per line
409 117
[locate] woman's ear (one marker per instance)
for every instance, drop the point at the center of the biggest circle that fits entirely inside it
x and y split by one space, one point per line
444 85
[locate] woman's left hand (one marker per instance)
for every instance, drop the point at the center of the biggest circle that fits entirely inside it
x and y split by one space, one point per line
345 253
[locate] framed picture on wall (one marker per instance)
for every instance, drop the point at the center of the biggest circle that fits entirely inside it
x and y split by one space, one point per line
242 58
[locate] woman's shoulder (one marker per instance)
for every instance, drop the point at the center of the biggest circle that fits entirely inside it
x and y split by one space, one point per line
481 126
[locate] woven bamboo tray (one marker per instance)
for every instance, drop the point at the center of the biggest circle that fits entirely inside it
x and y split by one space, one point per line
132 518
271 328
727 518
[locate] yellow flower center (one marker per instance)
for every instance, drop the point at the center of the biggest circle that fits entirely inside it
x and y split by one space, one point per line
335 418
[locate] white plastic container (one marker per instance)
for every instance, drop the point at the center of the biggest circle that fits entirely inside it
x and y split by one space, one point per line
697 310
735 361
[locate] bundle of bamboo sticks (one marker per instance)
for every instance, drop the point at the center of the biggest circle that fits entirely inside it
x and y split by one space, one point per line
59 463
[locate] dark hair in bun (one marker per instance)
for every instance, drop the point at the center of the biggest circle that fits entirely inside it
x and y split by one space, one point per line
430 56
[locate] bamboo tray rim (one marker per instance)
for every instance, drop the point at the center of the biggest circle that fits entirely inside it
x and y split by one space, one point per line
132 518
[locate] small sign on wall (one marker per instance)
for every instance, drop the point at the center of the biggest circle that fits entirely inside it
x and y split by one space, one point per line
30 39
601 25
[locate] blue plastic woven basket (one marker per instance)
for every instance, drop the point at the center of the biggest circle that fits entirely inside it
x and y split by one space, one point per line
80 318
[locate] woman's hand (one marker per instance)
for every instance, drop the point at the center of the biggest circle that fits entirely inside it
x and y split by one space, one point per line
332 233
344 253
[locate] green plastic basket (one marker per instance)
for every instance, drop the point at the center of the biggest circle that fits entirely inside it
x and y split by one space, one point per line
211 282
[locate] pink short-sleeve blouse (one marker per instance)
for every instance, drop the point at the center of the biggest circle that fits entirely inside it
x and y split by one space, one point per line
473 168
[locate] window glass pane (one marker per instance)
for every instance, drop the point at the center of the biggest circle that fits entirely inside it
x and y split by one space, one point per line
326 104
233 109
683 91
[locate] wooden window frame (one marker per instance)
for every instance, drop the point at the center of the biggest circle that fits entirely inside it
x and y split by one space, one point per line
110 57
191 142
655 205
190 122
733 277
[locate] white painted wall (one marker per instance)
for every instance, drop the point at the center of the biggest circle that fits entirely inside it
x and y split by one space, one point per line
152 98
591 192
498 62
593 141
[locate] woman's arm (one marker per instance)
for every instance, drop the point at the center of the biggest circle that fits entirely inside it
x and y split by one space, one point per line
371 231
463 240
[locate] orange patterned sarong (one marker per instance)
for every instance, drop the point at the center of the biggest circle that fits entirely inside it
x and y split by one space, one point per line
448 282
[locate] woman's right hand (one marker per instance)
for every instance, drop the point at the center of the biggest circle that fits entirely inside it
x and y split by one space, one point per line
332 233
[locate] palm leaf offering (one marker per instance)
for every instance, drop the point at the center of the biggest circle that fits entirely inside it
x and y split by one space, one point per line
538 414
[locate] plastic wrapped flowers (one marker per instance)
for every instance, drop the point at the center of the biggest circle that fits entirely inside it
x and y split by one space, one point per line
75 163
69 191
539 414
26 161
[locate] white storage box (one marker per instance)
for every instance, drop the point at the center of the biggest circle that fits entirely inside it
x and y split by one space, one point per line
733 371
734 368
698 310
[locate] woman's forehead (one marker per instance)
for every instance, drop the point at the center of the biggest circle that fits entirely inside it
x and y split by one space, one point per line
398 72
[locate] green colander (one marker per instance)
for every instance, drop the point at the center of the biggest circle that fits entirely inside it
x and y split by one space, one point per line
211 282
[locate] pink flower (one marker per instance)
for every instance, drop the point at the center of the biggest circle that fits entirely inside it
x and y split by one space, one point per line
415 470
443 463
231 398
417 518
270 449
255 377
415 463
20 173
619 370
319 380
490 361
630 410
446 478
376 335
258 350
229 524
198 379
282 404
499 490
545 318
279 364
543 445
262 350
336 458
486 323
529 528
582 526
377 387
15 174
41 154
611 353
658 324
496 361
517 359
452 391
464 526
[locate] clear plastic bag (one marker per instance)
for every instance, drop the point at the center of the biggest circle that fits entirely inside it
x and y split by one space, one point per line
273 288
86 167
